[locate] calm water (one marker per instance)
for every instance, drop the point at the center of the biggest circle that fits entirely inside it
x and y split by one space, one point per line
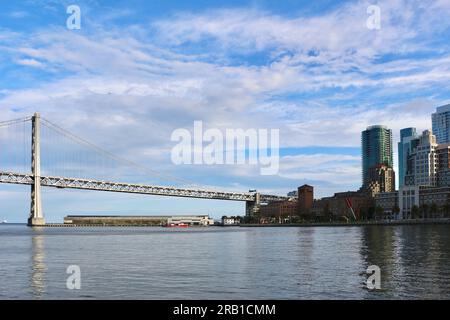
225 263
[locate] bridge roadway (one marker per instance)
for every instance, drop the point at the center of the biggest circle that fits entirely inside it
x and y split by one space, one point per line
86 184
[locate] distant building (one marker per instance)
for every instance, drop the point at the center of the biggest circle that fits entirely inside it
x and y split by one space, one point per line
377 151
388 201
305 199
410 196
292 193
279 209
443 170
343 204
231 221
200 220
424 162
441 124
405 148
384 176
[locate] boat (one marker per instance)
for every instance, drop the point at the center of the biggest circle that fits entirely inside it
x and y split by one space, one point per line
176 225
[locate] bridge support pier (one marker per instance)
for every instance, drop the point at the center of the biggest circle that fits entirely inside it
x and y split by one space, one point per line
252 207
36 214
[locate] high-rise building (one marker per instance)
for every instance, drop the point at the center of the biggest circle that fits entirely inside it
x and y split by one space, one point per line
384 177
441 124
424 162
408 141
305 198
443 171
376 144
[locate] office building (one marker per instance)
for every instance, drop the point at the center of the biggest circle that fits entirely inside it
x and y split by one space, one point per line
424 162
443 170
383 176
408 137
441 124
388 201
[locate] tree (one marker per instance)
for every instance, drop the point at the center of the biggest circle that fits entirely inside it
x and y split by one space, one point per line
379 211
433 210
446 209
395 211
424 209
370 213
415 212
363 214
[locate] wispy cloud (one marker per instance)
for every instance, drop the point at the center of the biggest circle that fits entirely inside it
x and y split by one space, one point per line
320 79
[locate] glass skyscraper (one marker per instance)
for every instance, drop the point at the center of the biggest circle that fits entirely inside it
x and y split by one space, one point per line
441 124
405 148
376 150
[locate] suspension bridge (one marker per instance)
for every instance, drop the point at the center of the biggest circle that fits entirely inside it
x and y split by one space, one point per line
61 146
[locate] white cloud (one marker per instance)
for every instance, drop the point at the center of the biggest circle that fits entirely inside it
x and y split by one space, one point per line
30 63
129 90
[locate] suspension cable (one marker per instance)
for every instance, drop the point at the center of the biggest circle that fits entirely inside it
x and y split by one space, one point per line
108 154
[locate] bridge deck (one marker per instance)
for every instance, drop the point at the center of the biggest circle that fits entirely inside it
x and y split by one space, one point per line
86 184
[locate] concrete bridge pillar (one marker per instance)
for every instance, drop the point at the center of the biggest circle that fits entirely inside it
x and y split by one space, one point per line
252 207
36 215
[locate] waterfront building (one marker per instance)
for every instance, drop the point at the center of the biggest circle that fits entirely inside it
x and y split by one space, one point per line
377 150
342 204
231 221
194 220
425 198
408 138
408 198
434 196
279 209
389 202
441 124
305 199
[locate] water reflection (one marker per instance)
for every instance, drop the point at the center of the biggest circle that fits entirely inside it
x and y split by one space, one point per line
38 267
379 247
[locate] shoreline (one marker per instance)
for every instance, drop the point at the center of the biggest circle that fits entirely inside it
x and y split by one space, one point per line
353 224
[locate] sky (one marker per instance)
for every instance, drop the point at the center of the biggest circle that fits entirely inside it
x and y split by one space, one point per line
138 70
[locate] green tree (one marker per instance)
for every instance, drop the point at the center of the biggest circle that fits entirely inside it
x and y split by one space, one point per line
433 210
446 209
424 209
379 211
370 213
415 212
363 214
395 211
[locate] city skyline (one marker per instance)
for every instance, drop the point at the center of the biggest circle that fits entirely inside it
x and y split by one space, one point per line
232 70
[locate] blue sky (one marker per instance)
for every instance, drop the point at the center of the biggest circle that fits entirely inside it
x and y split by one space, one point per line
137 70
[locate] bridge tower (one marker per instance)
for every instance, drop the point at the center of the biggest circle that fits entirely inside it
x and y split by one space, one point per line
36 214
252 207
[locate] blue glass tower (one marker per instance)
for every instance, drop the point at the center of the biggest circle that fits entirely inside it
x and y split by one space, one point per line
405 147
376 144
